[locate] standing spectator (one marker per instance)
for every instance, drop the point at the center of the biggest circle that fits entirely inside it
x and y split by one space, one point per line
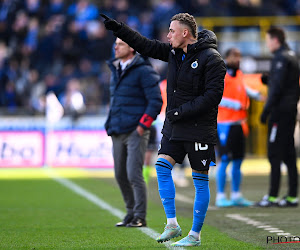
70 51
204 8
8 9
82 12
135 103
50 81
55 7
68 72
107 7
79 15
33 8
3 67
162 13
281 109
121 8
194 89
47 47
72 99
146 27
244 7
98 41
33 90
19 31
31 39
232 130
11 99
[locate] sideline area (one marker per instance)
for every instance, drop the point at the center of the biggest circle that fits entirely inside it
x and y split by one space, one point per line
257 166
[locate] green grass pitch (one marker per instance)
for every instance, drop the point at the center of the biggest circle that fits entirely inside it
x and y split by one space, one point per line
44 214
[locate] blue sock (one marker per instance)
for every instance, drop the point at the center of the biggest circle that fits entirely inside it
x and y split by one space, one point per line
201 202
166 187
221 175
236 175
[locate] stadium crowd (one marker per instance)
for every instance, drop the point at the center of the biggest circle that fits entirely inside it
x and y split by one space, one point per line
54 45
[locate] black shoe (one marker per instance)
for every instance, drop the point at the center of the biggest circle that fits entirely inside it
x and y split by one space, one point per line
137 222
128 218
265 202
287 202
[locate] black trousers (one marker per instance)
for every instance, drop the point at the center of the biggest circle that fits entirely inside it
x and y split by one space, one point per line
281 148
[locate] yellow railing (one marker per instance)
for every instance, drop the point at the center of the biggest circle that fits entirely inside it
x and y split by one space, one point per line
263 22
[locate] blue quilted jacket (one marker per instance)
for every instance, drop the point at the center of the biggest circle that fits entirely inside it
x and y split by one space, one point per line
135 97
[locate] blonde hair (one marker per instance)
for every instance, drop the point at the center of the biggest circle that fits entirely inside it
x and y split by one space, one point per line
188 20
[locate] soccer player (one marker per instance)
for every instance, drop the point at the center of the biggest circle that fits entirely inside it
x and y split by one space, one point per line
194 89
232 130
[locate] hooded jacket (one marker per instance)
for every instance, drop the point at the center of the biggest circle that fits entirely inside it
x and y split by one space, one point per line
135 97
194 85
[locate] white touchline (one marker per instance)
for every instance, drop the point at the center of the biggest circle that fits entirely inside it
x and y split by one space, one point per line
257 224
102 204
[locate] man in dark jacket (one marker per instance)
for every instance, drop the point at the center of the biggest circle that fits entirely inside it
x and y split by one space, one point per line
195 85
281 109
135 103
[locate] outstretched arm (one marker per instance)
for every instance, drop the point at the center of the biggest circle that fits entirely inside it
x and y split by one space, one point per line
143 45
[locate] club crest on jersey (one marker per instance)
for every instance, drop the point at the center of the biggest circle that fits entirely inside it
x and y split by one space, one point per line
194 64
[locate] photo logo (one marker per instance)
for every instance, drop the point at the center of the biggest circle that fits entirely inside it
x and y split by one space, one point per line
283 239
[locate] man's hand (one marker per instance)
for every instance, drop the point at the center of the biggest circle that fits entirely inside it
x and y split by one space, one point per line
264 78
111 24
173 115
140 130
263 117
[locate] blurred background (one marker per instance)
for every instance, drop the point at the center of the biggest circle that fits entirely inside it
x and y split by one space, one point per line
61 47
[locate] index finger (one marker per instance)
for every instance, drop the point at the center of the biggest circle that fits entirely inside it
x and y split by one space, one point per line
104 16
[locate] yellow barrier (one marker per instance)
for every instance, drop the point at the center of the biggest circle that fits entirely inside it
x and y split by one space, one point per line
263 22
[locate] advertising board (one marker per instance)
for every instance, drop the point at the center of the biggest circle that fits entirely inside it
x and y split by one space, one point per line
91 149
21 149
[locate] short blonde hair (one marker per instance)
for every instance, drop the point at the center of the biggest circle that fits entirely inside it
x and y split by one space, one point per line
188 20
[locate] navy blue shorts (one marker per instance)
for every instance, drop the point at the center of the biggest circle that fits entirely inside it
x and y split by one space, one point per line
231 141
200 155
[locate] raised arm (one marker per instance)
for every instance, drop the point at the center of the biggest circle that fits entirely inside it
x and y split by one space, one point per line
143 45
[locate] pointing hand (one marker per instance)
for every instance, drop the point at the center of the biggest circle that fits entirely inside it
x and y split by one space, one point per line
111 24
